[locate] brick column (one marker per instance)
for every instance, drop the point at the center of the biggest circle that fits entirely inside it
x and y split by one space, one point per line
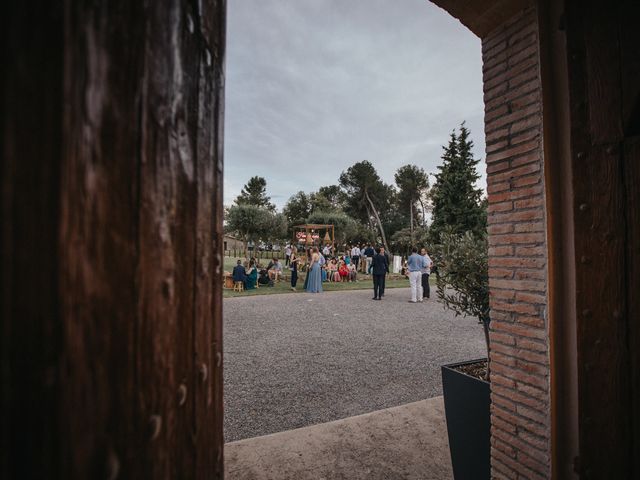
520 418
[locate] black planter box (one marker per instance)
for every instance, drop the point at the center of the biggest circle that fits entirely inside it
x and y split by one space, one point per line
466 404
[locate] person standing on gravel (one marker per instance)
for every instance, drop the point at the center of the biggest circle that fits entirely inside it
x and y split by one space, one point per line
416 263
379 267
426 271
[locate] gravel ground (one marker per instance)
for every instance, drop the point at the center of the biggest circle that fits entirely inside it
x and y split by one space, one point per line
298 359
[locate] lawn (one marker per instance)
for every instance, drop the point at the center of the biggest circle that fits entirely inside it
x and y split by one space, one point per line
284 286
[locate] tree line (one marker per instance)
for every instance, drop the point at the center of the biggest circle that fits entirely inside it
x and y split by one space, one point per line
364 208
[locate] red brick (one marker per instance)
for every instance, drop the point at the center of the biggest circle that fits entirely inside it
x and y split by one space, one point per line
533 464
523 472
516 238
525 181
505 381
532 321
503 359
525 124
515 307
496 135
494 92
515 194
518 443
523 55
519 216
503 294
531 414
526 285
514 151
502 338
533 357
519 329
497 167
530 251
531 298
498 229
500 273
534 392
527 80
524 136
531 345
530 275
538 441
531 367
526 159
532 202
518 115
514 173
529 227
517 262
500 251
500 207
498 187
496 146
519 397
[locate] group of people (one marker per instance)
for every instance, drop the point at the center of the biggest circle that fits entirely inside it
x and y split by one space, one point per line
338 269
251 274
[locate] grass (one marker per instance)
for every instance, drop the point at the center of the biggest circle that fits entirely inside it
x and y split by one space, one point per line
284 286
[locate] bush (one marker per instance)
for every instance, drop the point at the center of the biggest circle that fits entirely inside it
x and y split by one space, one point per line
462 276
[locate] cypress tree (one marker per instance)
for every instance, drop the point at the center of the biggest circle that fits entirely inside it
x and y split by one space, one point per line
457 204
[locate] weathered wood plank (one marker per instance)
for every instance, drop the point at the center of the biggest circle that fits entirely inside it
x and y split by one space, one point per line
631 169
111 214
601 240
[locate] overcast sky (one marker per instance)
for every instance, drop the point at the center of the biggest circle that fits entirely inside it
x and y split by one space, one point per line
314 86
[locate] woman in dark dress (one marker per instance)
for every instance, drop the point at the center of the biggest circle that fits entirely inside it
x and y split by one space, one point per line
293 266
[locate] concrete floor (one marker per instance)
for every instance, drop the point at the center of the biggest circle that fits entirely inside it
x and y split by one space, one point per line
405 442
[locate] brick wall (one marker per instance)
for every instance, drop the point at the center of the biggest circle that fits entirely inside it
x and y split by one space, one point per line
520 431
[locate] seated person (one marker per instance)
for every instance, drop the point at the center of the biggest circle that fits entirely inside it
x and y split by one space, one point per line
343 271
353 273
264 279
251 276
275 269
347 259
239 272
332 270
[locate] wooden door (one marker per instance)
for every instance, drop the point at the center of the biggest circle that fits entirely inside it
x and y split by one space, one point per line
112 239
604 87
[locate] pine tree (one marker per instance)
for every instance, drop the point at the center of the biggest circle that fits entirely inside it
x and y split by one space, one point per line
457 204
255 193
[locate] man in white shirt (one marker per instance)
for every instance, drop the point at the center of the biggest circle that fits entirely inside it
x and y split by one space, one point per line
355 255
287 254
426 271
326 251
415 264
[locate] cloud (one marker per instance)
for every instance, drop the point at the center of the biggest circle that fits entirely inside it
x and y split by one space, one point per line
314 86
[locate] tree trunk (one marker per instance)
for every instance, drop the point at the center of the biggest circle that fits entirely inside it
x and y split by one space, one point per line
424 213
375 213
413 243
485 325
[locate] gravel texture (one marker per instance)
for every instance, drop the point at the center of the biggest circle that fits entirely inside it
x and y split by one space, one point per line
299 359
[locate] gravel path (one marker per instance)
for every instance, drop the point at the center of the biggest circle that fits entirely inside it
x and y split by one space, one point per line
298 359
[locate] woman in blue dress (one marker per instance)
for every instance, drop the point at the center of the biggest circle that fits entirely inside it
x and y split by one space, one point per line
314 284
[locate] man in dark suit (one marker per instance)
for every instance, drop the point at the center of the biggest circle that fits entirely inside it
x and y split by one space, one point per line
379 268
239 273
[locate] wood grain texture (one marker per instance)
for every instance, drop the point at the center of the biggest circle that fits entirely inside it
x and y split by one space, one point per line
115 246
605 188
631 169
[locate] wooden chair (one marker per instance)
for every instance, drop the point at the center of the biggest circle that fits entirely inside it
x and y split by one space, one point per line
238 287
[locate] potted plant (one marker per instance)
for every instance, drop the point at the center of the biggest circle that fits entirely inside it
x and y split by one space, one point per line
463 286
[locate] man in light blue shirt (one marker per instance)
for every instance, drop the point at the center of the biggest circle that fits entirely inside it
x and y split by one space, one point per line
416 263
